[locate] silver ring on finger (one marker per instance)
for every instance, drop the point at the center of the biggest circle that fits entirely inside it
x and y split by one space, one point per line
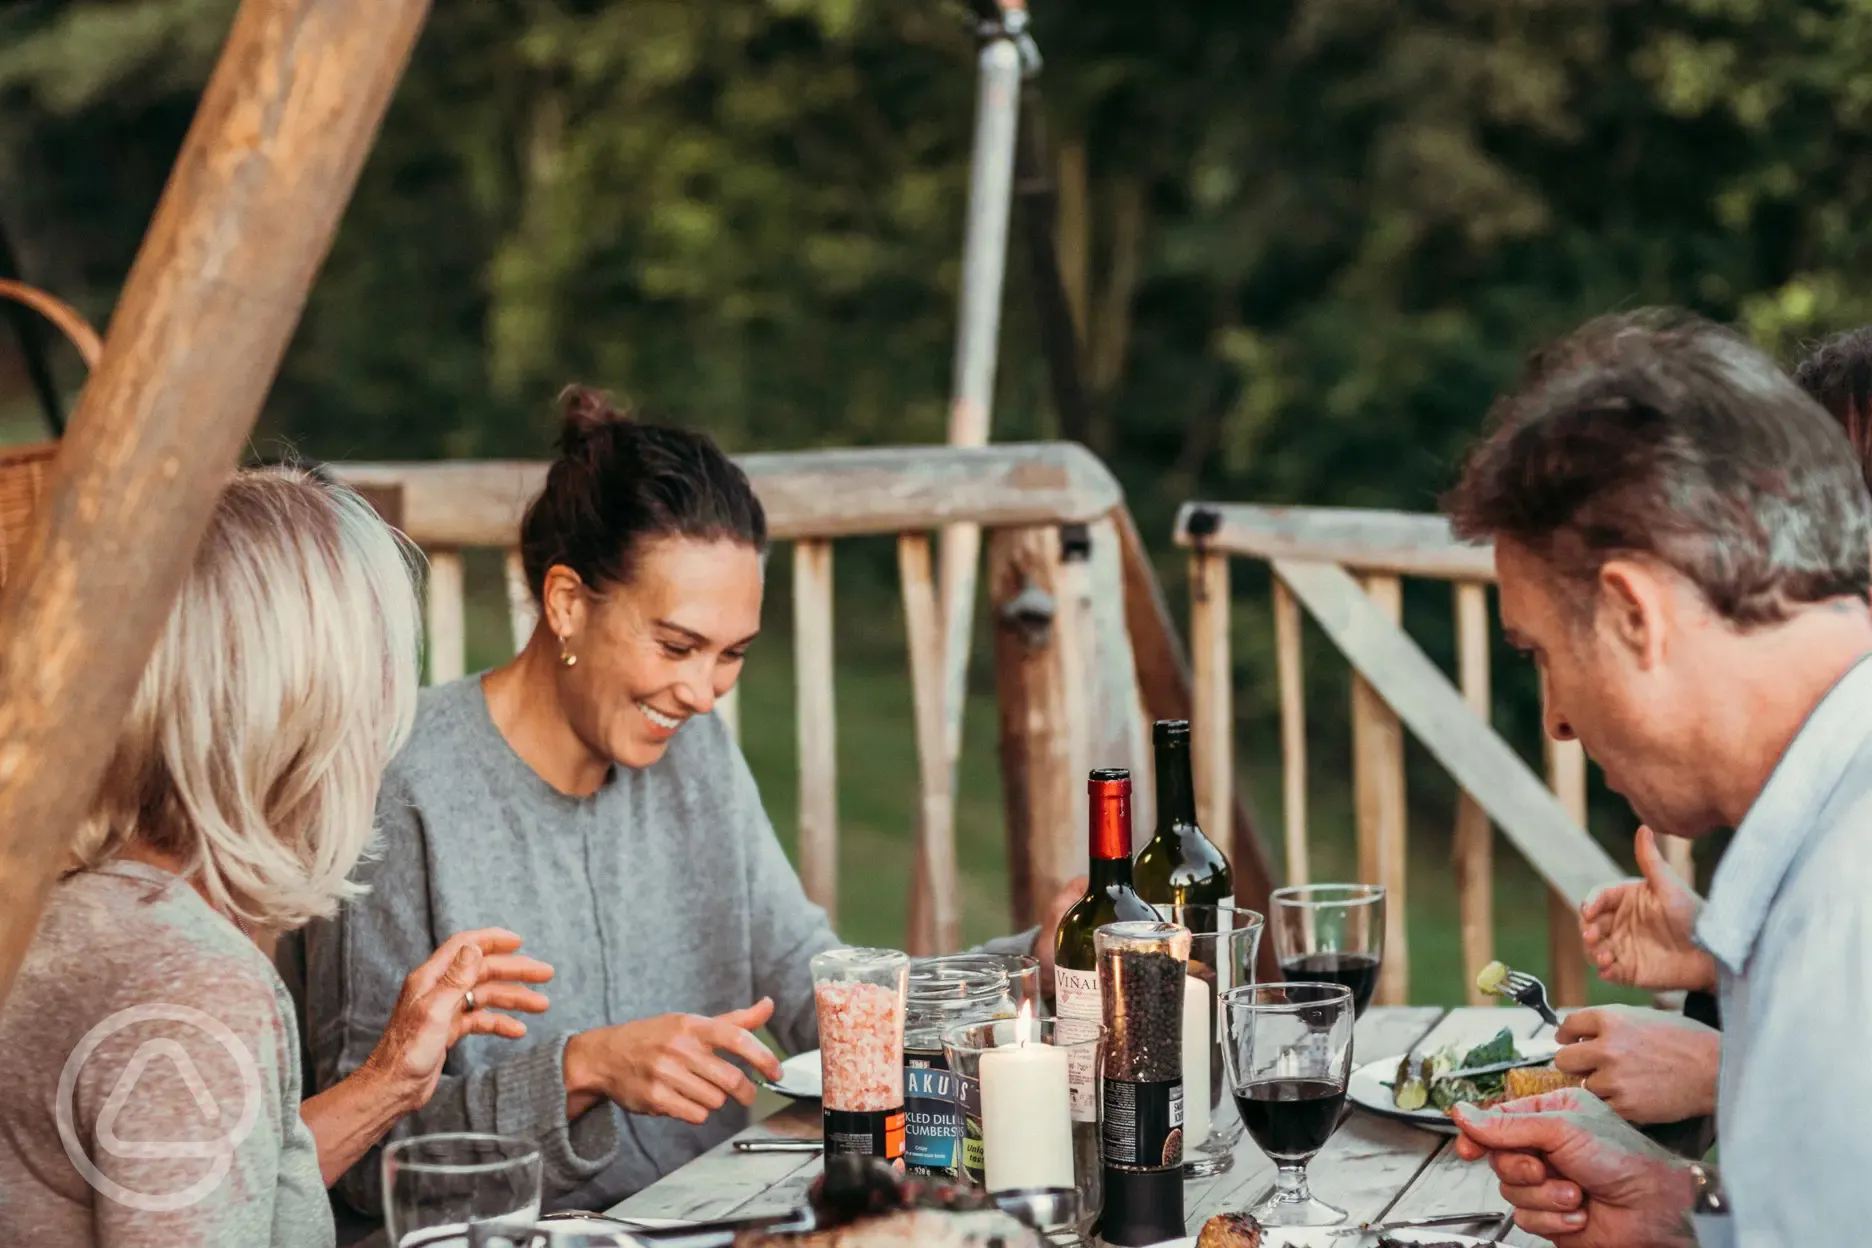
469 1004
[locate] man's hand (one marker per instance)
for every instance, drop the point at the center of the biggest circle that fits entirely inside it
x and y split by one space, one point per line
1579 1175
1049 928
667 1065
1648 1065
1638 933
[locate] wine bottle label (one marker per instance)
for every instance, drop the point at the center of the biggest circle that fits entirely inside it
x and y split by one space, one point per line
866 1133
1143 1127
932 1118
1079 1010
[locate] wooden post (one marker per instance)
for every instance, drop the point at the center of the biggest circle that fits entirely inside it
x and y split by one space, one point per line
1212 727
935 833
1165 681
1566 952
1043 742
817 722
445 615
1474 848
1118 736
522 612
216 291
1378 781
1292 677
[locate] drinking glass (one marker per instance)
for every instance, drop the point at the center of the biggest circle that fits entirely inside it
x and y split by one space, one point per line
1027 1110
461 1190
1224 942
1330 933
1289 1052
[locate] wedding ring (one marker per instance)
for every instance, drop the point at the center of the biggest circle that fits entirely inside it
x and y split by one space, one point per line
468 1003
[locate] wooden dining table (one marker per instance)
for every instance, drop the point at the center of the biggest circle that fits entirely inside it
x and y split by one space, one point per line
1374 1167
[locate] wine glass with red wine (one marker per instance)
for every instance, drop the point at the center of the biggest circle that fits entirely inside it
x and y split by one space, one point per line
1330 933
1288 1048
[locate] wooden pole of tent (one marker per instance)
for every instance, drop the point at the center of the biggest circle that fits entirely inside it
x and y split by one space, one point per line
217 288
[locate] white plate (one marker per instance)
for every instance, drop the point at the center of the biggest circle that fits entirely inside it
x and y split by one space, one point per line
800 1077
1366 1089
1324 1238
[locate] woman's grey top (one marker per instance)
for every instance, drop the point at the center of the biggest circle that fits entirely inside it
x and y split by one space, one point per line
151 1091
666 891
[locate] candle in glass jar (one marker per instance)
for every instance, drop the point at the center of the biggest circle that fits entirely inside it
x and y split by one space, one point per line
1026 1099
1198 1036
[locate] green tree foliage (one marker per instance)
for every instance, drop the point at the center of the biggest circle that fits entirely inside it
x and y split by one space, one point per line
1305 240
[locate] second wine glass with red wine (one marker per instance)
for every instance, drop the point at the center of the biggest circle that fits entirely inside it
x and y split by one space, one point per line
1330 933
1288 1048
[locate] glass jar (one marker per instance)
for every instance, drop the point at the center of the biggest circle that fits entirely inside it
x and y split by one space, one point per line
944 992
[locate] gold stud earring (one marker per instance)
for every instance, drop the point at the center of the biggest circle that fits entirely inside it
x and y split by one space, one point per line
566 657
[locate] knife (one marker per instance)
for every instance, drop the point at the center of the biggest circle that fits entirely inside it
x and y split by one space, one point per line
1412 1224
1495 1069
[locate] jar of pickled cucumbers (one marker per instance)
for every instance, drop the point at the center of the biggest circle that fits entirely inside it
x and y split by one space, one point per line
943 992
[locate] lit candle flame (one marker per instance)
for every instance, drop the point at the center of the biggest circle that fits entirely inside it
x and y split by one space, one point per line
1023 1024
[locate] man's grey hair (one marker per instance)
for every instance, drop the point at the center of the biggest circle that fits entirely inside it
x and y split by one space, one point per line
1657 434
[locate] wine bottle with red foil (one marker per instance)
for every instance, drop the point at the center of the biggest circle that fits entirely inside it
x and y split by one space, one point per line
1179 865
1109 898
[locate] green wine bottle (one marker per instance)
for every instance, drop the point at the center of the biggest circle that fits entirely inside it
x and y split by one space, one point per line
1109 898
1179 865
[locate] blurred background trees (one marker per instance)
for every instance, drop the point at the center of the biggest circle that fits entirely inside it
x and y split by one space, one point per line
1305 240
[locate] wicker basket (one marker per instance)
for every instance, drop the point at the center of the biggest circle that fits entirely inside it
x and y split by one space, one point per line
25 471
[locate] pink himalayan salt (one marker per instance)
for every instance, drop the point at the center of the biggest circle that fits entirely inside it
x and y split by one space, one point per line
861 1046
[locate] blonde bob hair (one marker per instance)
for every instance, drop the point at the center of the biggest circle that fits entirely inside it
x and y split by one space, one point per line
282 684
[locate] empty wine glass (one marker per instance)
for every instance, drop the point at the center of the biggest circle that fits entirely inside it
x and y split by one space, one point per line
1289 1051
1330 933
1224 941
461 1190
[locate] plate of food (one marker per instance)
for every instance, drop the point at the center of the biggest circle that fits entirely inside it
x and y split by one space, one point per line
800 1078
1423 1086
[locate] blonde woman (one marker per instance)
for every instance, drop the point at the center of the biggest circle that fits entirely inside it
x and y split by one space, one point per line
152 1089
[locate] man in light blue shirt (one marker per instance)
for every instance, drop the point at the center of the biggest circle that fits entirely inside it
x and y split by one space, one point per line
1681 540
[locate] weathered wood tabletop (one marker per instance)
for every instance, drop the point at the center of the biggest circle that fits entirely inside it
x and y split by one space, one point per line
1373 1167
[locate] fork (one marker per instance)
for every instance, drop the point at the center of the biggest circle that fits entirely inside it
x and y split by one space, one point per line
1529 991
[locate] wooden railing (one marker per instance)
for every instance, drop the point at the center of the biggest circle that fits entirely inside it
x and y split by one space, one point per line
1084 651
1345 568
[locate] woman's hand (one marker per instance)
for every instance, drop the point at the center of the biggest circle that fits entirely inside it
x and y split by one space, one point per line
431 1012
667 1065
1639 933
400 1075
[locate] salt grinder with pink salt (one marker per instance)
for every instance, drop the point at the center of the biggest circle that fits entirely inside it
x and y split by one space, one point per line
860 993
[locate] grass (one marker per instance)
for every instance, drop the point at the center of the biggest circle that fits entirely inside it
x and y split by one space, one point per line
878 785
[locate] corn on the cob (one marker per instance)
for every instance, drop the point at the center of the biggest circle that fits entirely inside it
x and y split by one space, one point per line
1534 1080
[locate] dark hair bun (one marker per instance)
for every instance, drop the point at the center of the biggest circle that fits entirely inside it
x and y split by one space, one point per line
589 415
619 482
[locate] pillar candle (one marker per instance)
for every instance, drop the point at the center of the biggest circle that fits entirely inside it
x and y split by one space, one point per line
1198 1036
1026 1100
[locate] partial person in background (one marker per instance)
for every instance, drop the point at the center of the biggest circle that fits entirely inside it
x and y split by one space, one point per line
236 803
1681 542
585 793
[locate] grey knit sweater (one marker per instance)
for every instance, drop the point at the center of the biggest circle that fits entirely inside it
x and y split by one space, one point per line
664 892
180 1124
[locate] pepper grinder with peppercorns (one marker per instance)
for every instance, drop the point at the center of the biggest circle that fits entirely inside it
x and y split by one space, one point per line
1142 966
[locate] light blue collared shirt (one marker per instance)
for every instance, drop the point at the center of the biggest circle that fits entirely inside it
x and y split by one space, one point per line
1789 921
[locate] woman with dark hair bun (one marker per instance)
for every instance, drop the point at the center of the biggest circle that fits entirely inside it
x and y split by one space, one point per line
585 794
